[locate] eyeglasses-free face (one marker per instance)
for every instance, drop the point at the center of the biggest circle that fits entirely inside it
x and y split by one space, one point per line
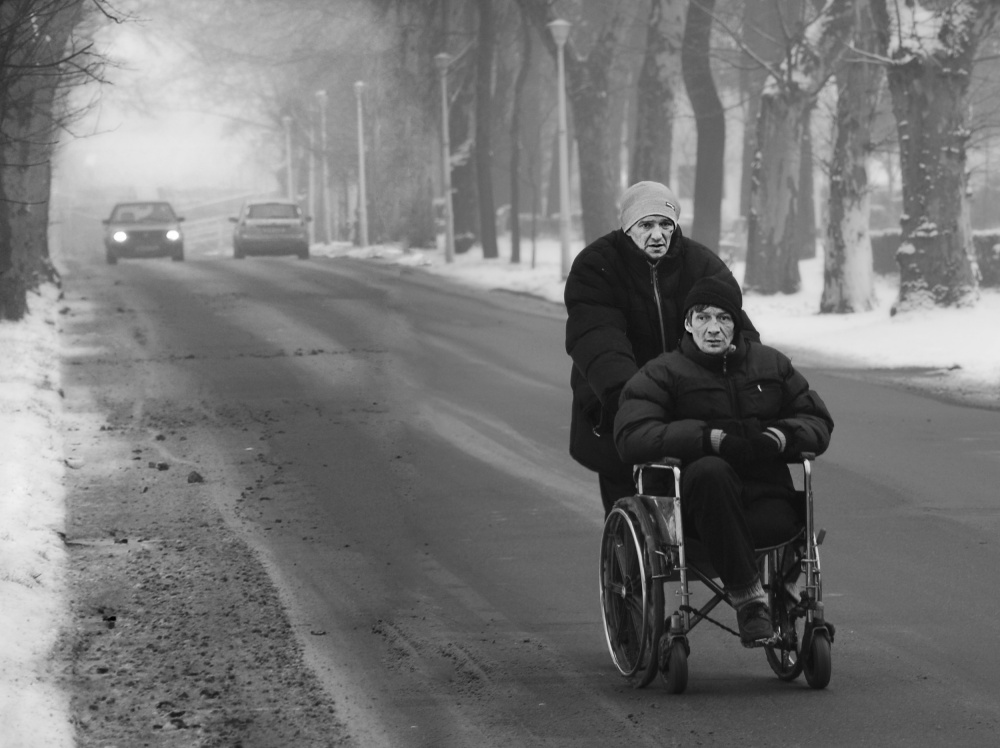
712 329
652 235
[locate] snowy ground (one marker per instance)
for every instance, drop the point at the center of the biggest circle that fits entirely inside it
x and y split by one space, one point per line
952 349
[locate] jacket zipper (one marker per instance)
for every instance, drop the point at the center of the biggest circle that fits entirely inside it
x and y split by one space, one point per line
659 307
731 387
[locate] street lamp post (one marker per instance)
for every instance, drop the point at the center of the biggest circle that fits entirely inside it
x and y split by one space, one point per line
560 33
362 193
287 122
311 195
324 189
442 61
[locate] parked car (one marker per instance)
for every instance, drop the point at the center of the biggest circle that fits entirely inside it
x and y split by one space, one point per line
270 227
143 229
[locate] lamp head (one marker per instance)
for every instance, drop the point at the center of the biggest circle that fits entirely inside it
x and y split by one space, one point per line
560 30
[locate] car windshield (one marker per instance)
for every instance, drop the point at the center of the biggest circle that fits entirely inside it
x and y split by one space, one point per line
143 213
273 210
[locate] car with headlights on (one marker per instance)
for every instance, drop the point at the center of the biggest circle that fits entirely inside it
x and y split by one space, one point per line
143 229
270 227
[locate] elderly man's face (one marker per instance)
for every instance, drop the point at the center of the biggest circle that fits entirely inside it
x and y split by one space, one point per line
712 329
652 235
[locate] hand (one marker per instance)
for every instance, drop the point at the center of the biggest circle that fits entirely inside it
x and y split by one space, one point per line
765 446
737 451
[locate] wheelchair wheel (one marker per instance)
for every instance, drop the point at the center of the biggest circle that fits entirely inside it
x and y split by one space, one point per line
818 665
785 655
631 602
674 665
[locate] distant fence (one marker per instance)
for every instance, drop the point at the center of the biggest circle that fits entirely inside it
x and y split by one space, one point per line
986 243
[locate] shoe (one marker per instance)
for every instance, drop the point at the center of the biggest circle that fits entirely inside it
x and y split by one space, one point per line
754 621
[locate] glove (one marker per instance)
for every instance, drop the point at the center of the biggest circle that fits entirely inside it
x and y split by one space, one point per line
743 453
735 450
765 446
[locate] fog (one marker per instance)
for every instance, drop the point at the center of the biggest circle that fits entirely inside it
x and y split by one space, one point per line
141 139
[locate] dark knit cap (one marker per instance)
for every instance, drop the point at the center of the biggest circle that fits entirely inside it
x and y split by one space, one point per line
720 291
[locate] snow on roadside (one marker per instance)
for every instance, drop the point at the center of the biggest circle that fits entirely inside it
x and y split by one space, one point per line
33 603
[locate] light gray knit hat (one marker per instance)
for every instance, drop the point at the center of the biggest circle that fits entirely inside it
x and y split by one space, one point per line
648 199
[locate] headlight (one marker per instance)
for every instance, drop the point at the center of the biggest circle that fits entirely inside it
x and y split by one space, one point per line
173 235
120 236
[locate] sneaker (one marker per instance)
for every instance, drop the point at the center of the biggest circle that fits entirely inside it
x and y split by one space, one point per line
754 621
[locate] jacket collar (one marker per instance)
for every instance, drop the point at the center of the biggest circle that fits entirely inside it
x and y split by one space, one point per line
733 357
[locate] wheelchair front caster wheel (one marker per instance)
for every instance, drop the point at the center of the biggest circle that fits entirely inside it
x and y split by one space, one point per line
674 665
818 664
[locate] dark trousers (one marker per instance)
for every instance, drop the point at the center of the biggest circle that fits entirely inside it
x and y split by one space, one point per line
712 504
615 486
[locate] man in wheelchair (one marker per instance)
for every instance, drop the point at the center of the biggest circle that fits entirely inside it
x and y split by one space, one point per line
732 410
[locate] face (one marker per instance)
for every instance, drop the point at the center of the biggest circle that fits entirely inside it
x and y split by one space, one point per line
652 235
712 329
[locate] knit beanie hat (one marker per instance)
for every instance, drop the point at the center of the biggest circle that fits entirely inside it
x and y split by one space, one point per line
720 291
648 199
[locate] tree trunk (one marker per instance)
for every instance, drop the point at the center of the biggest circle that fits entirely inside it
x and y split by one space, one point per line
763 42
710 121
484 124
930 99
29 119
772 225
806 239
848 276
772 249
515 143
463 174
661 69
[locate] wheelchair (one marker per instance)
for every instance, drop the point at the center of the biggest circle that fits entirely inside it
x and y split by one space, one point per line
643 548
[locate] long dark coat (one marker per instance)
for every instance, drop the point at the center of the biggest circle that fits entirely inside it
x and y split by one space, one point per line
622 312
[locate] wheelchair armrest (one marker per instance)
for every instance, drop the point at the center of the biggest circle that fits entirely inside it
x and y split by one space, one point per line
800 457
672 464
666 462
663 462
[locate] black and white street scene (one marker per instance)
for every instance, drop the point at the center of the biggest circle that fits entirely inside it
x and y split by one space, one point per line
499 373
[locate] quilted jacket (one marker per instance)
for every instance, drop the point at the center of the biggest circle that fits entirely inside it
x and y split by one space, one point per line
666 407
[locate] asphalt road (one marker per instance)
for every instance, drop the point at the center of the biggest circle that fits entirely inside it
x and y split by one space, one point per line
397 448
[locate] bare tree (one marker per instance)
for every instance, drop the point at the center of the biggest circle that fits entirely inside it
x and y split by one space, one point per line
658 80
848 278
524 66
710 121
812 53
40 60
762 41
485 51
932 50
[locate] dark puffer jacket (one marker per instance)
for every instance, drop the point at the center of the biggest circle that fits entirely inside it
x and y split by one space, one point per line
622 312
667 406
